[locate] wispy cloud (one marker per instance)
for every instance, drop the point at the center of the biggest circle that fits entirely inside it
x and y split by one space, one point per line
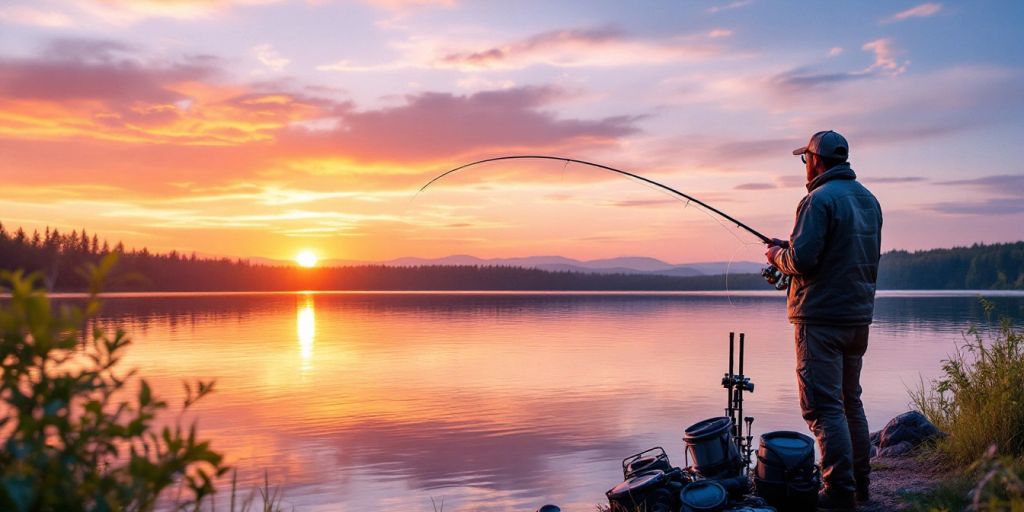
1010 184
755 186
920 11
25 15
633 203
269 57
1006 189
885 63
728 6
885 57
124 12
569 48
1000 206
894 179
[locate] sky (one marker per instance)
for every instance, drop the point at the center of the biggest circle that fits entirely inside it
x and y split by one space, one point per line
261 128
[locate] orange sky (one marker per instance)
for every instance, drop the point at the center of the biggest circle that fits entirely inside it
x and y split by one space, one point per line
262 128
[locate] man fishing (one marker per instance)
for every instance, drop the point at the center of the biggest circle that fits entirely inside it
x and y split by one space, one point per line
832 257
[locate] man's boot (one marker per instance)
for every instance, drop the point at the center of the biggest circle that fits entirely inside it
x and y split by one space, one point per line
836 501
862 489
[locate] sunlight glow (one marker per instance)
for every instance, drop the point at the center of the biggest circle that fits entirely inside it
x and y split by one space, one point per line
306 324
306 259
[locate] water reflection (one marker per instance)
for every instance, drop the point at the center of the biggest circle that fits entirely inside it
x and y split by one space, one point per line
305 321
494 402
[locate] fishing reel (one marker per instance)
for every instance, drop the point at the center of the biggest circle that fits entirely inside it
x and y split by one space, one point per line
775 277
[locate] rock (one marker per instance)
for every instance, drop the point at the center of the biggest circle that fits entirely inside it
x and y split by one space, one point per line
896 450
876 437
911 427
872 452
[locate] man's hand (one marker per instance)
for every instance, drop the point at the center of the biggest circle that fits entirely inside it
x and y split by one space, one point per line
772 253
777 242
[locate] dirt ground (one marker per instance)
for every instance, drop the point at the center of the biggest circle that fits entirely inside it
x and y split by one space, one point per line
893 477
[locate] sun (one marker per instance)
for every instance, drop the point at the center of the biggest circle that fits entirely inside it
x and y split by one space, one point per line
306 259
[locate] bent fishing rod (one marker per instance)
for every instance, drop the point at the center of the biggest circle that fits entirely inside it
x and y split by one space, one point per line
688 197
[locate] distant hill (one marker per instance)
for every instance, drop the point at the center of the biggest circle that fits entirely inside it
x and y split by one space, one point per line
620 265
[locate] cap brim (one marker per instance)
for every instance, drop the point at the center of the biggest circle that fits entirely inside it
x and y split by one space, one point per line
800 151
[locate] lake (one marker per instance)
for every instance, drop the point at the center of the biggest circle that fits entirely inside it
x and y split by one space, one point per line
493 401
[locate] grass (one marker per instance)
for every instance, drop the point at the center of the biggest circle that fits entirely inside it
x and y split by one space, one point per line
979 403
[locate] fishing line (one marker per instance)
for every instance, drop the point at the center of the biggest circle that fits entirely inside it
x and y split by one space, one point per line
704 205
705 208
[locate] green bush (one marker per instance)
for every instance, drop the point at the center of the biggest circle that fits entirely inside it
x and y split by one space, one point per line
979 401
73 437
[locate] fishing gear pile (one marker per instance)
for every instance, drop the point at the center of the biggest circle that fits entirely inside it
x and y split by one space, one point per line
717 476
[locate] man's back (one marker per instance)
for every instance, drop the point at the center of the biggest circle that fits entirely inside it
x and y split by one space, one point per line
837 243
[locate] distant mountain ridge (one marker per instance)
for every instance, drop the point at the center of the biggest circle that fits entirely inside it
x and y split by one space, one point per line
620 265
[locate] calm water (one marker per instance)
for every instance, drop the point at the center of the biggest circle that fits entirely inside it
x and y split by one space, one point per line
492 401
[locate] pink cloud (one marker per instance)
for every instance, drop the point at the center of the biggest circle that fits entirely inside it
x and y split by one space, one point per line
434 125
599 47
920 11
885 57
102 117
24 15
885 63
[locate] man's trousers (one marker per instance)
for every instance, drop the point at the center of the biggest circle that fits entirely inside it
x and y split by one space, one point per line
829 360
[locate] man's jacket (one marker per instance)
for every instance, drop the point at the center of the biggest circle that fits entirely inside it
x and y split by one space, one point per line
833 252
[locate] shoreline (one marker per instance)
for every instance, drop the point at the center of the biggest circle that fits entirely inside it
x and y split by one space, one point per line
624 293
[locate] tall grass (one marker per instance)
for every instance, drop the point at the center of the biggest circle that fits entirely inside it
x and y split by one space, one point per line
979 400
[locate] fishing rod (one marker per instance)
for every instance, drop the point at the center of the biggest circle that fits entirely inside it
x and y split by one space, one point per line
688 197
773 275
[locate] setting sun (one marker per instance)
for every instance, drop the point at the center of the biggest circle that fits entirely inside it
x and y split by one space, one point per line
306 259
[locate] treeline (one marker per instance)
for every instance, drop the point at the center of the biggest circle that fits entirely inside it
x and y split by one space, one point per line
58 257
978 267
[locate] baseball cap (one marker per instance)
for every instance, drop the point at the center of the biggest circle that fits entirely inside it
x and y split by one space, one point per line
828 144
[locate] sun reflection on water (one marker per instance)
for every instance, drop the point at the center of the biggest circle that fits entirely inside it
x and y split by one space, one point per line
306 328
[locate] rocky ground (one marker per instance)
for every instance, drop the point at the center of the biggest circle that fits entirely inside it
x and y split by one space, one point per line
894 477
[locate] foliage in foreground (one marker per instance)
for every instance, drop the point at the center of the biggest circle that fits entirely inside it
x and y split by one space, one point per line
73 437
992 484
979 401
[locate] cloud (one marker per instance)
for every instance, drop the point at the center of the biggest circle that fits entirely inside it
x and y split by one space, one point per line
835 51
921 11
125 12
1012 184
589 47
632 203
728 6
1000 206
102 114
1007 189
755 186
94 70
885 64
894 179
269 57
398 5
595 47
434 125
885 57
24 15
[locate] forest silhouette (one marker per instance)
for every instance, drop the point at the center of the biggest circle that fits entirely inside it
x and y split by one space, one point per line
59 256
